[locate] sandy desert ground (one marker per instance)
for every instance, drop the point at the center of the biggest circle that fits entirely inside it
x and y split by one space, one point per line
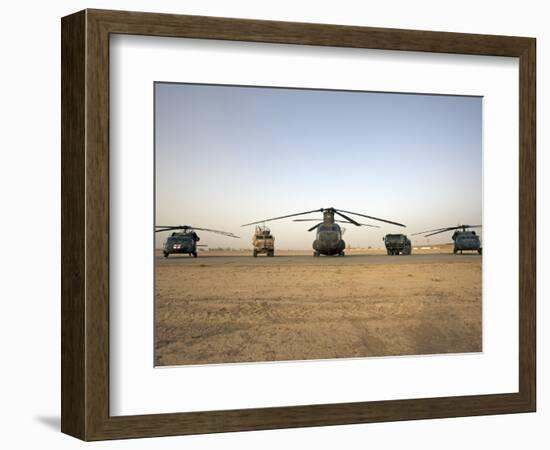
227 307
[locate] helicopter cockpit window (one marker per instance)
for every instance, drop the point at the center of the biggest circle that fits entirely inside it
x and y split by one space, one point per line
179 238
329 227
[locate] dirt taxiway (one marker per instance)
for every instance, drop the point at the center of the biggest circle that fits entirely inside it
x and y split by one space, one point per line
226 307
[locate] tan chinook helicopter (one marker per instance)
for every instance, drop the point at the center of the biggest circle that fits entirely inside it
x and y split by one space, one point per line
329 240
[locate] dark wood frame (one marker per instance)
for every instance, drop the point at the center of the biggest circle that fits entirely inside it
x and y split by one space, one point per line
85 224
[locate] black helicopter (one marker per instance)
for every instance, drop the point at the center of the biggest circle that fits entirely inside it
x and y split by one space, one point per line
463 238
329 234
184 239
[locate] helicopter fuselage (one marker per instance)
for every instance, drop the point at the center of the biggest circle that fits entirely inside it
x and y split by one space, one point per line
466 240
329 240
185 243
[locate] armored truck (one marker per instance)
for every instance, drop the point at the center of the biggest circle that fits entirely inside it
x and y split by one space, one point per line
263 241
397 244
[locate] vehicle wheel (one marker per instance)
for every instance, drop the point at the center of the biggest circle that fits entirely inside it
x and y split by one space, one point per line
166 254
342 254
315 254
194 254
479 250
455 250
271 253
255 253
388 252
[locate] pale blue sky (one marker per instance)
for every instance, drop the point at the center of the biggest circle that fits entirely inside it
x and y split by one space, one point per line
229 155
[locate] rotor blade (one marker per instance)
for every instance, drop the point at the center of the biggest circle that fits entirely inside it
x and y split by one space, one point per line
364 224
360 223
442 230
438 232
373 218
357 224
223 233
282 217
189 227
429 231
339 221
171 227
313 227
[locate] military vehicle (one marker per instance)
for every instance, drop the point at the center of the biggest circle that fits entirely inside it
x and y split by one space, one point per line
184 239
463 238
397 244
263 241
328 240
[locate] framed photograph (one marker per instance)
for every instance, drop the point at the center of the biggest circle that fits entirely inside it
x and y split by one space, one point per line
272 225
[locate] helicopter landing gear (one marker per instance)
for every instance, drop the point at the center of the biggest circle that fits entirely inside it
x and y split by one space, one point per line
479 250
166 254
194 254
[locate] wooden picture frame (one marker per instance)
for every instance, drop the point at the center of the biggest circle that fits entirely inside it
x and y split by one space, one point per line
85 224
